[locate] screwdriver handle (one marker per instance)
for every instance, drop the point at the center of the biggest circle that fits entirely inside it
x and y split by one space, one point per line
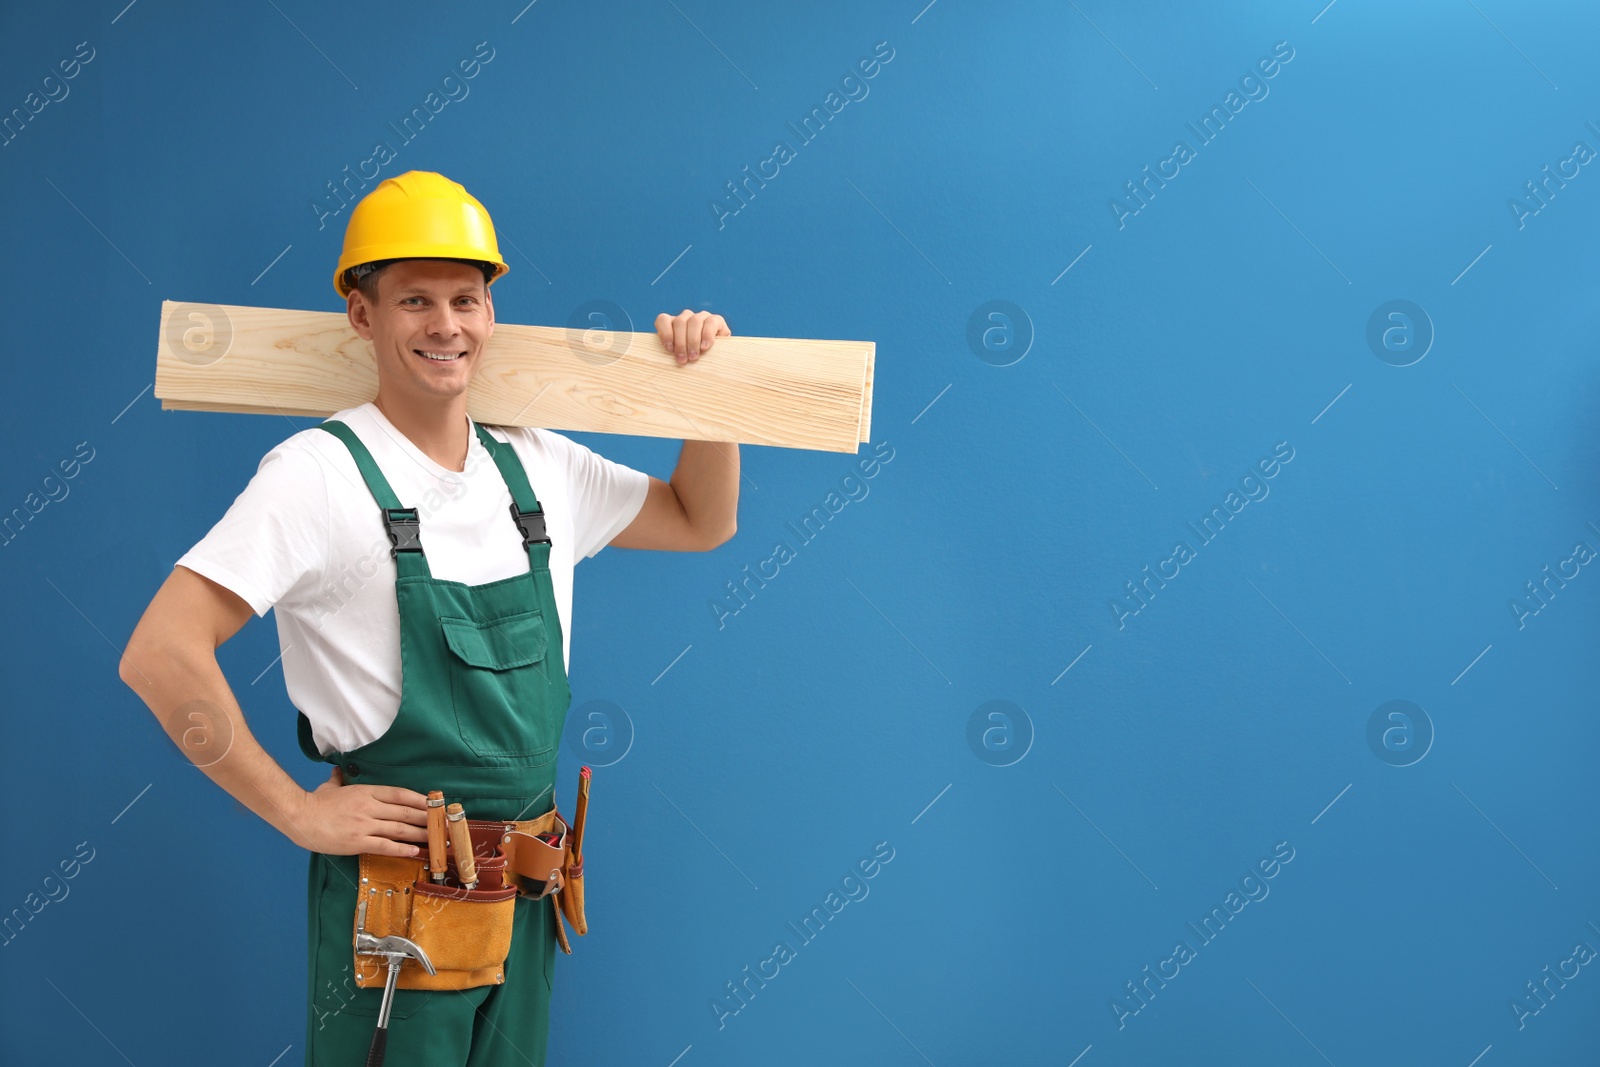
461 843
437 836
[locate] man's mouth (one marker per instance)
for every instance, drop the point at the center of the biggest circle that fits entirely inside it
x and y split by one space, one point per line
438 357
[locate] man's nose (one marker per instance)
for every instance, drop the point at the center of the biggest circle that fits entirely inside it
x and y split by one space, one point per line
443 321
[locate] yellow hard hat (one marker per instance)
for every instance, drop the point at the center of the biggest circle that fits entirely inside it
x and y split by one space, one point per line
417 215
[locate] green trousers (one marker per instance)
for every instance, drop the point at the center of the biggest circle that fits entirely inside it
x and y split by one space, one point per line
483 1027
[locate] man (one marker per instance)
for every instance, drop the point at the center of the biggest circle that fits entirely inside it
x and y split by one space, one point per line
452 677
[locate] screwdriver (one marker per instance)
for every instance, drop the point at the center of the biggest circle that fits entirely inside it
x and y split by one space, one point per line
461 842
436 836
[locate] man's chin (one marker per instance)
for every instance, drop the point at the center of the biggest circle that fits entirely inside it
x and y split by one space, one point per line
436 386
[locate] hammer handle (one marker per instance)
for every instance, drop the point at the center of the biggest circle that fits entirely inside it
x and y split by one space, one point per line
380 1043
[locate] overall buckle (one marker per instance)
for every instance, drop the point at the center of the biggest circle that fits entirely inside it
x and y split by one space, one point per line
531 523
404 528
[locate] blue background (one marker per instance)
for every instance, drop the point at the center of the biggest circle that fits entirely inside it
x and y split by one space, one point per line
836 709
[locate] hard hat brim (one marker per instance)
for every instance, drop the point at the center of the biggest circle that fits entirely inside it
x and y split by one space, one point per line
374 253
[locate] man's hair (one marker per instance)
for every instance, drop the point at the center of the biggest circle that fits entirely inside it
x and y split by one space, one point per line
364 276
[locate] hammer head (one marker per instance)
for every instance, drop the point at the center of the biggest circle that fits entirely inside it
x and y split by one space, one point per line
393 948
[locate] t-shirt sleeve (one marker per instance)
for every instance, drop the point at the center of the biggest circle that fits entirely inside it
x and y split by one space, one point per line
606 495
274 537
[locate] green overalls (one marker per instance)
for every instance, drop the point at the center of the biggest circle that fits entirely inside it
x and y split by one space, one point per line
484 696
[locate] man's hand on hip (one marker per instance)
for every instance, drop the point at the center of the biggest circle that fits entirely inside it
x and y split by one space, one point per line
343 820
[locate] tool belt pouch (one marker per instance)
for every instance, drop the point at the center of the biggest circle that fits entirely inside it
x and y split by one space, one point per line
542 869
571 895
465 932
571 898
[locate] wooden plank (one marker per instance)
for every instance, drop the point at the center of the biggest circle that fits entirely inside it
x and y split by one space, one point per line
811 394
866 402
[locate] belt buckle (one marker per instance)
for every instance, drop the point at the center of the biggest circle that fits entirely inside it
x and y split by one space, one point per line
551 884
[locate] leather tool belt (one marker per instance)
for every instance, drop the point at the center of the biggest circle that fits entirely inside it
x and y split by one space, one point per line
467 932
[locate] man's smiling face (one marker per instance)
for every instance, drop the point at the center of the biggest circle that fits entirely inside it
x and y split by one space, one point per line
427 326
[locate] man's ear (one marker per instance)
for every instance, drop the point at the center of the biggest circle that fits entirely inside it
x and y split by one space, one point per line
488 303
360 315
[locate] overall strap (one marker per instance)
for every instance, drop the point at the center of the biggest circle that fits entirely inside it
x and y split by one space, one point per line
525 509
402 524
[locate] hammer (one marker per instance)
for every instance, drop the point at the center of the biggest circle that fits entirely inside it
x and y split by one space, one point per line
396 950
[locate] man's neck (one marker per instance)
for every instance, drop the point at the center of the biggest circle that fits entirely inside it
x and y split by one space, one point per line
438 427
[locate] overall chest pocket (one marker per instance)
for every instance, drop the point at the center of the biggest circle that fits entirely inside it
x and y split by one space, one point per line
507 700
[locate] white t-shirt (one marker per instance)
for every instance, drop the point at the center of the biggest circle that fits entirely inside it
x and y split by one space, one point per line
306 537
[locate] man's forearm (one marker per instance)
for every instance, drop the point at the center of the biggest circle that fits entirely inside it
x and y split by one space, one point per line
707 483
189 695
